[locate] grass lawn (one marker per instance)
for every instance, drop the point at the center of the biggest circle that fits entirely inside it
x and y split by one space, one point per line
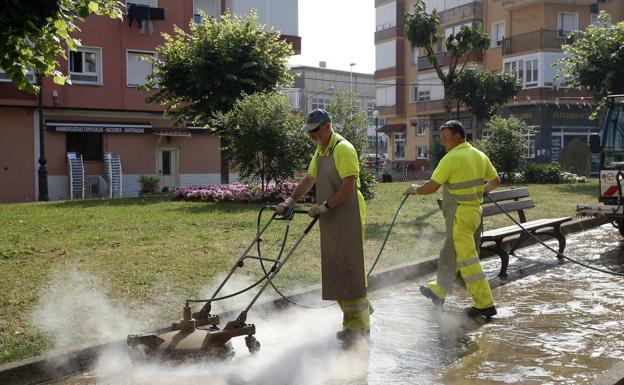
74 270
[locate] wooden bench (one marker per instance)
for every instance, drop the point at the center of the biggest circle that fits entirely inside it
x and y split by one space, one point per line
516 199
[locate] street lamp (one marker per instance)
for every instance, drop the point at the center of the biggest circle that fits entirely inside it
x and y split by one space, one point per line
305 102
351 77
376 115
42 172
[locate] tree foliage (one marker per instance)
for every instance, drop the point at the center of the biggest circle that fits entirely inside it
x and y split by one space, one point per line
483 93
265 139
204 72
595 60
352 123
506 146
36 33
423 31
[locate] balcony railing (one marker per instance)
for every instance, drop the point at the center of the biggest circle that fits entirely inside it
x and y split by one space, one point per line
536 40
424 64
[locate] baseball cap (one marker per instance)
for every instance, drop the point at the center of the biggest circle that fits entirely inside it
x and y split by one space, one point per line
315 119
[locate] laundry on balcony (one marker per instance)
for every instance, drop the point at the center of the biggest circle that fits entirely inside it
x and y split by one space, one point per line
144 14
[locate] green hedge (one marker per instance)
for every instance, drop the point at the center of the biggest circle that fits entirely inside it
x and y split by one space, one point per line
543 173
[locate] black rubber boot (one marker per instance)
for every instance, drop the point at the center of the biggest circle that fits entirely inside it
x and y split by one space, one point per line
431 295
473 312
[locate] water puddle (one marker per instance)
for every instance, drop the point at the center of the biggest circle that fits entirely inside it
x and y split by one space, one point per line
561 326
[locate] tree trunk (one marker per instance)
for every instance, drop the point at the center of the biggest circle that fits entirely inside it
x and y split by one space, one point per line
448 102
479 127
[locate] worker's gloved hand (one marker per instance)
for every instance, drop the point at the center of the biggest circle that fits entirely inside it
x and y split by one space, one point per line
411 190
282 207
317 210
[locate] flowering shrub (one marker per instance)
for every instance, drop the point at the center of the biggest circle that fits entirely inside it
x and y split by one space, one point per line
236 192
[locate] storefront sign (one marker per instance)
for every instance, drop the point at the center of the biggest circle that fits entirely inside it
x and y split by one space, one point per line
98 129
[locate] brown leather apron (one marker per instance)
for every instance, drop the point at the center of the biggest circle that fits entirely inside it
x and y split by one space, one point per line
342 254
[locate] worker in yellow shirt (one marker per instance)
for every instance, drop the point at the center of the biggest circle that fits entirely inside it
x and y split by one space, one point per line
335 170
466 174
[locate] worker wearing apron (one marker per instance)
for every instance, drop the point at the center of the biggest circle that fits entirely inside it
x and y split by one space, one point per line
335 170
463 172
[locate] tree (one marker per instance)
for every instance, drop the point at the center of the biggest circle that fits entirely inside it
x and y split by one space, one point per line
483 93
36 33
595 61
352 123
422 32
204 72
506 146
265 138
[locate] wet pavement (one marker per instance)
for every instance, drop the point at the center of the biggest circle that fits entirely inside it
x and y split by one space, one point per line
560 326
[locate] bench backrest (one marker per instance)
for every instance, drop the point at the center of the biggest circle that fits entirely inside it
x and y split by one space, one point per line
513 199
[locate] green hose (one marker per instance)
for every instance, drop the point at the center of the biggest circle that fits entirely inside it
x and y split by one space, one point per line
396 214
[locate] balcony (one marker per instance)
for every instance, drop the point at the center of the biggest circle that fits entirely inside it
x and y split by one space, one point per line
444 59
536 41
514 4
462 13
424 64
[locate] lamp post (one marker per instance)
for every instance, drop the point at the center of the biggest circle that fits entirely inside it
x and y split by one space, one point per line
42 172
376 115
351 77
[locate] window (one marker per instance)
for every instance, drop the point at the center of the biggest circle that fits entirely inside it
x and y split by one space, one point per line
88 145
294 96
526 70
567 22
385 17
413 93
138 70
149 3
530 146
320 103
4 77
421 152
85 66
399 146
415 55
210 7
385 94
531 73
498 33
453 31
424 95
385 55
421 129
370 112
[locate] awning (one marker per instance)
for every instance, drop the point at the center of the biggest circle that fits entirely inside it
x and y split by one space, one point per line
180 132
400 127
98 128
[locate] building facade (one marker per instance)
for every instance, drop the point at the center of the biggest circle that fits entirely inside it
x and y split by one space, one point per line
317 87
526 35
104 112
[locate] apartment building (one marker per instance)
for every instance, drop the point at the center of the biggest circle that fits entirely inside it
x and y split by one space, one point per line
317 87
527 36
103 112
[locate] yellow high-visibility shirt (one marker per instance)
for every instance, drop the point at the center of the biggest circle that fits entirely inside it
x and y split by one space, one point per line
347 164
465 170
